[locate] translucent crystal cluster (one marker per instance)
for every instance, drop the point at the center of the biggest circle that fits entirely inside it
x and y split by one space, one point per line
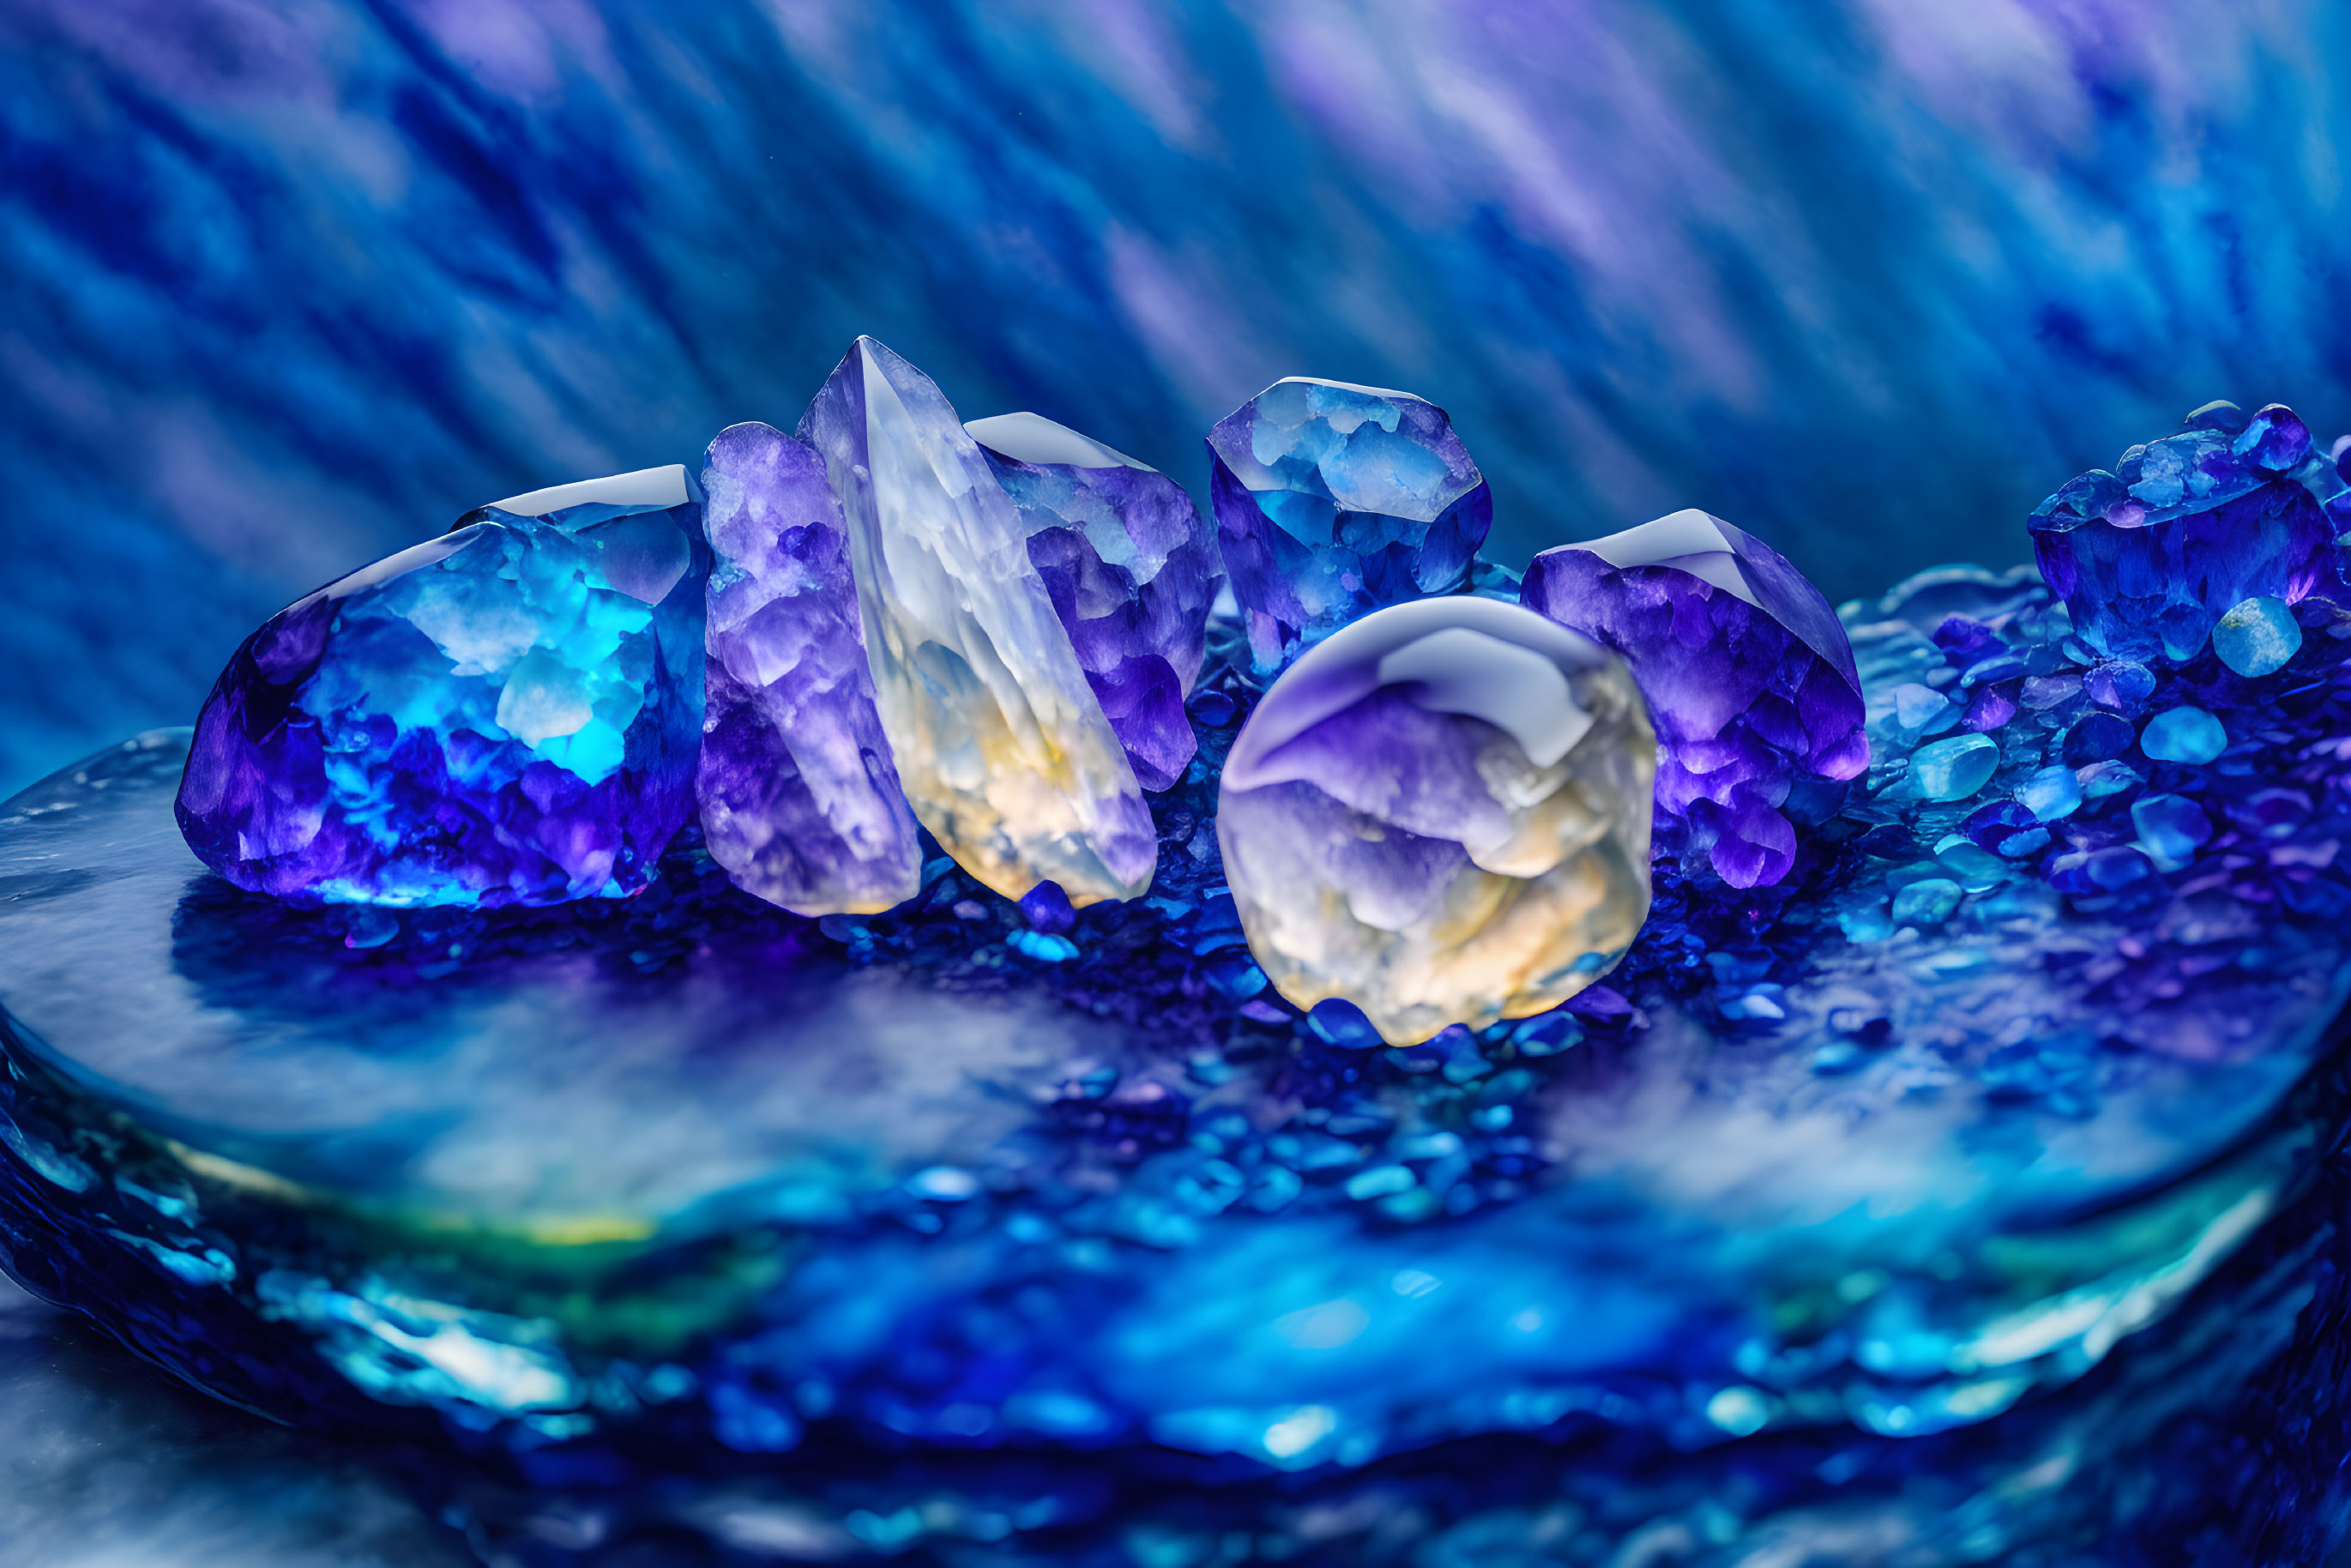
1750 679
2151 557
508 714
1440 814
2004 1117
1132 569
800 798
1332 500
1003 750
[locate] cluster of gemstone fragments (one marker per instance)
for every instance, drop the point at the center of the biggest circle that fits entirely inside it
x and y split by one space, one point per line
889 626
887 623
1693 1010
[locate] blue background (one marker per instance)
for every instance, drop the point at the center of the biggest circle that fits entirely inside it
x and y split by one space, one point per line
286 286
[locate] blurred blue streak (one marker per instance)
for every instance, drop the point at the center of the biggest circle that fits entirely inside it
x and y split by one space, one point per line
287 284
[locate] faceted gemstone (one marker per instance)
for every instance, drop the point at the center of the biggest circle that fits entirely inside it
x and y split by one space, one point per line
1441 815
1132 569
799 800
1749 675
507 714
1332 500
1003 750
2150 557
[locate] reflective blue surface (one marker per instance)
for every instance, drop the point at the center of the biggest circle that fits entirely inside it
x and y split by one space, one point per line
1933 1131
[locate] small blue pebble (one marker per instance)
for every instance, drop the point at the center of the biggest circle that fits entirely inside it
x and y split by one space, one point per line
1916 706
1343 1024
2119 683
1955 768
2096 737
2183 735
2170 828
1928 903
1048 909
2102 779
1043 948
2258 637
1213 708
2052 794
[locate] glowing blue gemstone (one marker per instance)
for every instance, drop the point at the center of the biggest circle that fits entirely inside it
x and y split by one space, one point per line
508 714
2183 735
2257 637
1928 903
2171 828
1955 768
1332 500
2051 794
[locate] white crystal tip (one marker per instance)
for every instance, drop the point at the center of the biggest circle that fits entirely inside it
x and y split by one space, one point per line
667 486
1690 539
1033 438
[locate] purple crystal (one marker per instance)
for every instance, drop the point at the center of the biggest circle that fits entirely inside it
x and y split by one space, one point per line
1749 675
1132 569
1332 500
800 798
507 714
2148 558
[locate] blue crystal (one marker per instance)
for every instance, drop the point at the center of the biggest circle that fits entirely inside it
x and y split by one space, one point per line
2183 735
1048 909
1333 500
2258 637
2149 558
1955 768
508 714
2052 793
1927 903
1923 708
2171 828
2121 684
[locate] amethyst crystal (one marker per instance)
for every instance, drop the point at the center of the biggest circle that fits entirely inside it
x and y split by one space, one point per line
1441 814
1332 500
1132 569
799 800
2151 557
1750 677
507 714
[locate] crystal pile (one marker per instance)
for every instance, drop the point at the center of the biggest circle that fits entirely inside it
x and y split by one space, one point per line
1936 1184
800 798
1750 678
508 714
1132 568
1332 500
1002 749
2151 557
1440 815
